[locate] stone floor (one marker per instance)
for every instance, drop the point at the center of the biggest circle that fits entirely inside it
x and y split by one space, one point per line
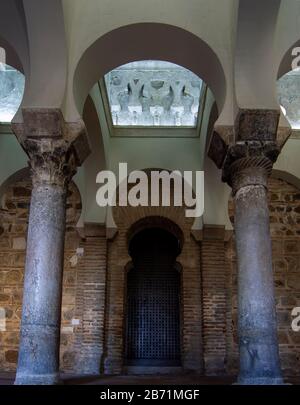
151 380
7 379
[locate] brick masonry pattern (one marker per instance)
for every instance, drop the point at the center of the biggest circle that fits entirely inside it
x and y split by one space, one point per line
94 285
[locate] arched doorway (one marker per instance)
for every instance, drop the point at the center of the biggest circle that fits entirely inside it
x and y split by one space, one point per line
153 301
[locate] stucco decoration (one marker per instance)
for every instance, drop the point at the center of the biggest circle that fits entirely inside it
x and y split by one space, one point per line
12 84
153 93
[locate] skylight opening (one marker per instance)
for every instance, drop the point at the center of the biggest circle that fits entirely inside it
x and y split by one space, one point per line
153 94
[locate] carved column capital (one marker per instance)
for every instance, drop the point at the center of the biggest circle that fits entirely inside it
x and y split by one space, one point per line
249 172
249 163
55 148
52 163
250 146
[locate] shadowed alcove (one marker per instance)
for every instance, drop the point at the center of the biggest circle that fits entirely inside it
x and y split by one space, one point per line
153 300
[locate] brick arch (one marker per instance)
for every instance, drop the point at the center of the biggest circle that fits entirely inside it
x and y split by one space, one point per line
156 222
127 216
284 207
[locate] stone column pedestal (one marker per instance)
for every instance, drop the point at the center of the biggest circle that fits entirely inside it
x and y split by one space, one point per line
257 327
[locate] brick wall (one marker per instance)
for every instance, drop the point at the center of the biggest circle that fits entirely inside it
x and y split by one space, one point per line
214 273
90 300
94 285
14 220
192 326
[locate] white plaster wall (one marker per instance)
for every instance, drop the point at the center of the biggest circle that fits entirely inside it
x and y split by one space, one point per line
210 20
12 157
216 197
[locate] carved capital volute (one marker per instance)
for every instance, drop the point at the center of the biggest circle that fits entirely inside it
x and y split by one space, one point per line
55 148
51 162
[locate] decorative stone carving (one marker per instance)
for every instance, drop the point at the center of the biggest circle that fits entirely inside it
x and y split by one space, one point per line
249 154
55 148
249 172
12 84
152 93
254 134
51 162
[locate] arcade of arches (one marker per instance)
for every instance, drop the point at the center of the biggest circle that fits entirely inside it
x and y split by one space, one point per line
90 290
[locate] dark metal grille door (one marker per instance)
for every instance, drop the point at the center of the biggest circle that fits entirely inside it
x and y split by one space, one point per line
153 316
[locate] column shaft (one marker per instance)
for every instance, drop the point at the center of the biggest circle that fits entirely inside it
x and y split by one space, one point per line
40 329
55 149
259 356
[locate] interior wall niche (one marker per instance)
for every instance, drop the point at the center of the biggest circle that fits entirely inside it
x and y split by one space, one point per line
153 301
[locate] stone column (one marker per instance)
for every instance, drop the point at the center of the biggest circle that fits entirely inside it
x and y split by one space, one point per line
53 162
257 328
246 152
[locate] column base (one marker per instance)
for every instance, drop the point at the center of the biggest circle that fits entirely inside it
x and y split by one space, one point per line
260 381
38 379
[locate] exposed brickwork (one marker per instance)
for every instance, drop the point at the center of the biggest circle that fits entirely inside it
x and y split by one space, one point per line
90 302
231 318
192 344
284 205
14 221
114 316
94 285
214 302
